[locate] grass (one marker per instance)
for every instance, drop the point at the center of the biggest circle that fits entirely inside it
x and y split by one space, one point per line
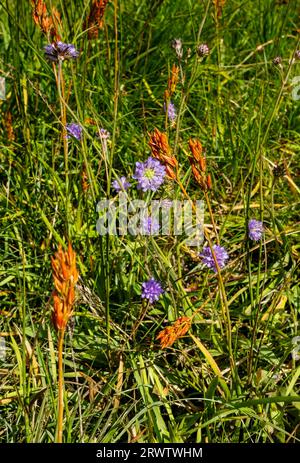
120 386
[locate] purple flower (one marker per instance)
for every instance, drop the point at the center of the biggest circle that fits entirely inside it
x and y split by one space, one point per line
277 61
150 226
103 134
60 51
221 257
177 45
255 229
74 130
203 50
121 184
151 290
149 174
172 114
297 54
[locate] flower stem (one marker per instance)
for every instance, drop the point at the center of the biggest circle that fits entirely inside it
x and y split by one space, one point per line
224 302
60 387
61 91
60 82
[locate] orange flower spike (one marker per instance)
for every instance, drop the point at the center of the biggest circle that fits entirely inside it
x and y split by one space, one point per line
159 143
170 173
196 149
167 95
209 182
166 337
219 4
72 261
84 181
94 21
196 173
173 80
71 296
200 169
43 20
9 126
161 150
39 11
202 163
184 324
171 333
65 270
65 277
58 312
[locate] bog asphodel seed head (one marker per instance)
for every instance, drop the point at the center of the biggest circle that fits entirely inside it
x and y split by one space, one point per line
65 277
161 150
170 334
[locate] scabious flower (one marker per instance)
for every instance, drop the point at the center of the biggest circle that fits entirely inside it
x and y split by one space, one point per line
297 54
60 51
121 184
74 130
255 229
103 134
177 45
203 50
149 174
277 60
152 290
172 114
150 225
221 257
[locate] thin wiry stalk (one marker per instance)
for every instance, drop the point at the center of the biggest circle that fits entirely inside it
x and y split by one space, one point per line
60 81
224 302
60 404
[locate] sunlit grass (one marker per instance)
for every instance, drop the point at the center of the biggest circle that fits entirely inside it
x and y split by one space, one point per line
231 377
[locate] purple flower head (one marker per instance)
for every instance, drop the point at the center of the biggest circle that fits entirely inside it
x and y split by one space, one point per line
60 51
151 290
150 226
149 174
255 229
74 130
277 61
103 134
297 54
177 45
203 50
221 257
172 114
121 184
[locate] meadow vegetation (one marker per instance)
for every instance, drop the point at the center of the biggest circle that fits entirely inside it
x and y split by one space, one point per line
123 338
